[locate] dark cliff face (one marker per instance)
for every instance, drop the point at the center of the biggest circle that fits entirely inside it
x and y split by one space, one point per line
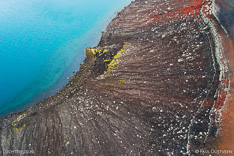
148 88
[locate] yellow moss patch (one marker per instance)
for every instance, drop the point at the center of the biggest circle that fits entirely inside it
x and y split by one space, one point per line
107 60
114 63
67 143
104 51
121 81
96 51
89 53
15 127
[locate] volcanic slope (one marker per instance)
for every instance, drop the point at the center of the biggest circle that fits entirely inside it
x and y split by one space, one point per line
148 88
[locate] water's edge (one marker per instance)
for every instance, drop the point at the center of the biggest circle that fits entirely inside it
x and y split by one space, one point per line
50 85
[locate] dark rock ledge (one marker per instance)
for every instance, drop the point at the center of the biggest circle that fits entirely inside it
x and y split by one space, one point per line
147 89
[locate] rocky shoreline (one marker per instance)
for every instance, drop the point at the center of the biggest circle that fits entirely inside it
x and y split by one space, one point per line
152 86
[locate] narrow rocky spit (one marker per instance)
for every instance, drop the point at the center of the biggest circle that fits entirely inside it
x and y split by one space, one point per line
159 83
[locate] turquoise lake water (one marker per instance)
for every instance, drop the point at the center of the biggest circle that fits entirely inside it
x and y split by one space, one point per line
42 42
